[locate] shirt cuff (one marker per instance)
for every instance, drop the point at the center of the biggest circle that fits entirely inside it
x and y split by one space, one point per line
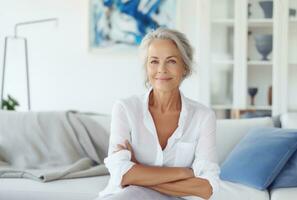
192 198
118 165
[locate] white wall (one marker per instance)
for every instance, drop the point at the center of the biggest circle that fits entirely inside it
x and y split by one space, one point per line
64 74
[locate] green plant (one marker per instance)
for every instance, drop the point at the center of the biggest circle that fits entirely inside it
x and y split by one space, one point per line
9 104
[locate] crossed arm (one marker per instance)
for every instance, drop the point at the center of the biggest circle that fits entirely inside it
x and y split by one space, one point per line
174 181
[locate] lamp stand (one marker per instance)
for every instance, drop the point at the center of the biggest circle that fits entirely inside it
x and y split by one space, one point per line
16 37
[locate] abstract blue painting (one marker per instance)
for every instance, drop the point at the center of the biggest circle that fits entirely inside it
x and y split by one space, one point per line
125 22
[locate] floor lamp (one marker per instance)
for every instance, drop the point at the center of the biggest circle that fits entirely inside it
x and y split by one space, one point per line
24 39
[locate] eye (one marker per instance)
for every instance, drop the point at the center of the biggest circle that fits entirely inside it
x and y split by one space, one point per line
172 61
154 62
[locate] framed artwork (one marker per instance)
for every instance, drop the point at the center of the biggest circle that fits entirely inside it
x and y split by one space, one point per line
123 23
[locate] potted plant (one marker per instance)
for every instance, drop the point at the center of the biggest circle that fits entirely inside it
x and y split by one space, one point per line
9 104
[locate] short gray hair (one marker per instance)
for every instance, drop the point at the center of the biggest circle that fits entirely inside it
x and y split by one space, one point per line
180 40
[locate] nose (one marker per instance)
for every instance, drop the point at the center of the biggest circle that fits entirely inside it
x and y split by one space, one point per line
162 68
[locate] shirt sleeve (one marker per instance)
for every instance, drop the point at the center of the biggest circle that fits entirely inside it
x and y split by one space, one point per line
118 163
205 164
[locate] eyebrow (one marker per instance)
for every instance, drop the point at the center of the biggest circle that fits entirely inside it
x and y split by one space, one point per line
155 57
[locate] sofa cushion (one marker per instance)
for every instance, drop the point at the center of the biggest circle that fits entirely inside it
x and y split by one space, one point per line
230 131
234 191
259 157
283 194
289 120
87 189
70 189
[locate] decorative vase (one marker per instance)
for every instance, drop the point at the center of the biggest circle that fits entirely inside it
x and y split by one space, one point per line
267 7
249 10
252 92
264 45
292 12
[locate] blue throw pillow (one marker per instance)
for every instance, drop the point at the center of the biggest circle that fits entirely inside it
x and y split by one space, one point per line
259 157
288 176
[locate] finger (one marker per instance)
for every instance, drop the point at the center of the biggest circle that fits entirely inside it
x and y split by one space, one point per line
119 148
129 146
127 143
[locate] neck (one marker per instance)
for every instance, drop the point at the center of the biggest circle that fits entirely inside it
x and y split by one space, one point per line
165 101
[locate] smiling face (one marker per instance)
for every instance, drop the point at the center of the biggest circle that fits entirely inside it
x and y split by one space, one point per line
165 66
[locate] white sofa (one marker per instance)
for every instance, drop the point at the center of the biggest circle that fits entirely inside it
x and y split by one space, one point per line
229 132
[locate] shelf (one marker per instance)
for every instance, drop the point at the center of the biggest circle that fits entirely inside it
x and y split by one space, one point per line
293 20
259 63
226 22
222 107
293 63
259 107
230 107
292 109
251 22
260 22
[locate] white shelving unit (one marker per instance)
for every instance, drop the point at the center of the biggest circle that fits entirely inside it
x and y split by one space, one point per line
259 108
259 63
226 22
292 21
229 60
291 78
260 23
222 107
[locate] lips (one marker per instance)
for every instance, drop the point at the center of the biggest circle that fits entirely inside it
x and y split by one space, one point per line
163 78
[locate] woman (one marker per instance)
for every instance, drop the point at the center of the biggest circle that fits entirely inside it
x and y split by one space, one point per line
162 144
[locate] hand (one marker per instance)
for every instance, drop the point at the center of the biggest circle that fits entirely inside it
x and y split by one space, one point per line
127 146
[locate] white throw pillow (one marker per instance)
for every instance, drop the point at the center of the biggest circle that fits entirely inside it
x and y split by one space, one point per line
289 120
231 131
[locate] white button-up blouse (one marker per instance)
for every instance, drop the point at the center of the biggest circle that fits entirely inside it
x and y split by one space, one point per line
193 143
